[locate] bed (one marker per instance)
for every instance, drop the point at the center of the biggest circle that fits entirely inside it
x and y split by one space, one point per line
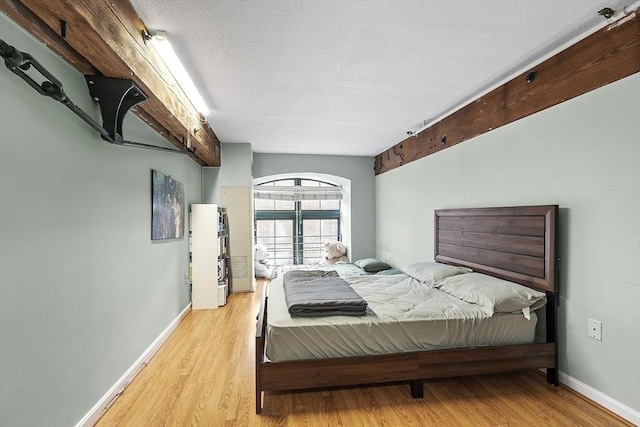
514 243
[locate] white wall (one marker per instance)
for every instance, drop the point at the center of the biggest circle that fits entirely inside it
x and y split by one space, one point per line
584 155
83 289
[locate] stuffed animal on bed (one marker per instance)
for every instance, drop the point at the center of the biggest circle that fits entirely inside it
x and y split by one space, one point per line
334 252
262 267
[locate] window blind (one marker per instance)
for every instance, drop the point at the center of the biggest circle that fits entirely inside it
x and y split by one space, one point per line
296 193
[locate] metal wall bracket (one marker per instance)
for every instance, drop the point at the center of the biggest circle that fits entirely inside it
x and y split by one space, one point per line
116 97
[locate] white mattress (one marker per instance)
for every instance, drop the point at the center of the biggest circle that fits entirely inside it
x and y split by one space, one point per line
404 315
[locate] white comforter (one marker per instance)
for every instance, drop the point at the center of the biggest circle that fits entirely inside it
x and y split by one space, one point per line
404 315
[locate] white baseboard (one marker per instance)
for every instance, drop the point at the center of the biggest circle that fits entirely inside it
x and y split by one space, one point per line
602 399
92 417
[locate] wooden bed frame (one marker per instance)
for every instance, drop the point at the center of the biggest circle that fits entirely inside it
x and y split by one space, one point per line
514 243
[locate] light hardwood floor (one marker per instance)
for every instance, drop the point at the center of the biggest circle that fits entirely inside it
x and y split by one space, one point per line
203 376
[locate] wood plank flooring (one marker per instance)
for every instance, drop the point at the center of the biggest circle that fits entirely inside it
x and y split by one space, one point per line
203 376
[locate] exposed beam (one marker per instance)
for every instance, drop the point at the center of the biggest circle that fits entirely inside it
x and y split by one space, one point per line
602 58
106 37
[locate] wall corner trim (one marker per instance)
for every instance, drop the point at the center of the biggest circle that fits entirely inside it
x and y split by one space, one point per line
92 417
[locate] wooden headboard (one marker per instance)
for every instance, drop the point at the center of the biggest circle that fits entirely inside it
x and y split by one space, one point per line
514 243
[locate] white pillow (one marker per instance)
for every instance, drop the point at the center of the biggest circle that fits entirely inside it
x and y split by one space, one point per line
493 295
430 272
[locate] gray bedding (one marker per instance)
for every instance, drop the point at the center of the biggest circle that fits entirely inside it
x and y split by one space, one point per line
321 293
403 315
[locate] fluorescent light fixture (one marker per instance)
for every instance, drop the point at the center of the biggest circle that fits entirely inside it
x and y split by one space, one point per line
164 49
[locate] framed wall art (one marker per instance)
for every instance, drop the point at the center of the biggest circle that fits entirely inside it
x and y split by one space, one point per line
168 207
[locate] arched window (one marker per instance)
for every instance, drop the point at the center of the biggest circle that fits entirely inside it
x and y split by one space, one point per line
294 217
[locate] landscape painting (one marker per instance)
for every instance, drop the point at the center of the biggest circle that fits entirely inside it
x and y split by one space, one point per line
168 207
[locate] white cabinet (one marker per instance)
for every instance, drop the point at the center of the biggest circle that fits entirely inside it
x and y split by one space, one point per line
209 234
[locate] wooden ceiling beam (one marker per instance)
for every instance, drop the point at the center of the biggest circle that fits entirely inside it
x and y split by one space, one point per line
610 54
105 37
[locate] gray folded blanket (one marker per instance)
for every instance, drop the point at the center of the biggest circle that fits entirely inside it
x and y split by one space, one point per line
318 293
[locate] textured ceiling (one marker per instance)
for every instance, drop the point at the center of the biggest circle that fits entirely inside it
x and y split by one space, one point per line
351 77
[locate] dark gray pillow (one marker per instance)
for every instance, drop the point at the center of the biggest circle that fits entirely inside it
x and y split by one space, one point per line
372 265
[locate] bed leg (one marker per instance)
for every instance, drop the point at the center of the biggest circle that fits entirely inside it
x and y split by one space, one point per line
552 376
258 402
417 390
261 327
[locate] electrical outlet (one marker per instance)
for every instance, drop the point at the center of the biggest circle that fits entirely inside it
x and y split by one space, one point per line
595 329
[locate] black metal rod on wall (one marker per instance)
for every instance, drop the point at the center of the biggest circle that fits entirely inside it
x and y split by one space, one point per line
20 62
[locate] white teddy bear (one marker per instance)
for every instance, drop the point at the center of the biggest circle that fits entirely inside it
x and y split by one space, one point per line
334 252
262 267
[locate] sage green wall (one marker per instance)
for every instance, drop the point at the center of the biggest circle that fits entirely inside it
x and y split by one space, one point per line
83 289
584 155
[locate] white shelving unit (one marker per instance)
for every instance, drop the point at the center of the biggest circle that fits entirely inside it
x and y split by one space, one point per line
209 269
